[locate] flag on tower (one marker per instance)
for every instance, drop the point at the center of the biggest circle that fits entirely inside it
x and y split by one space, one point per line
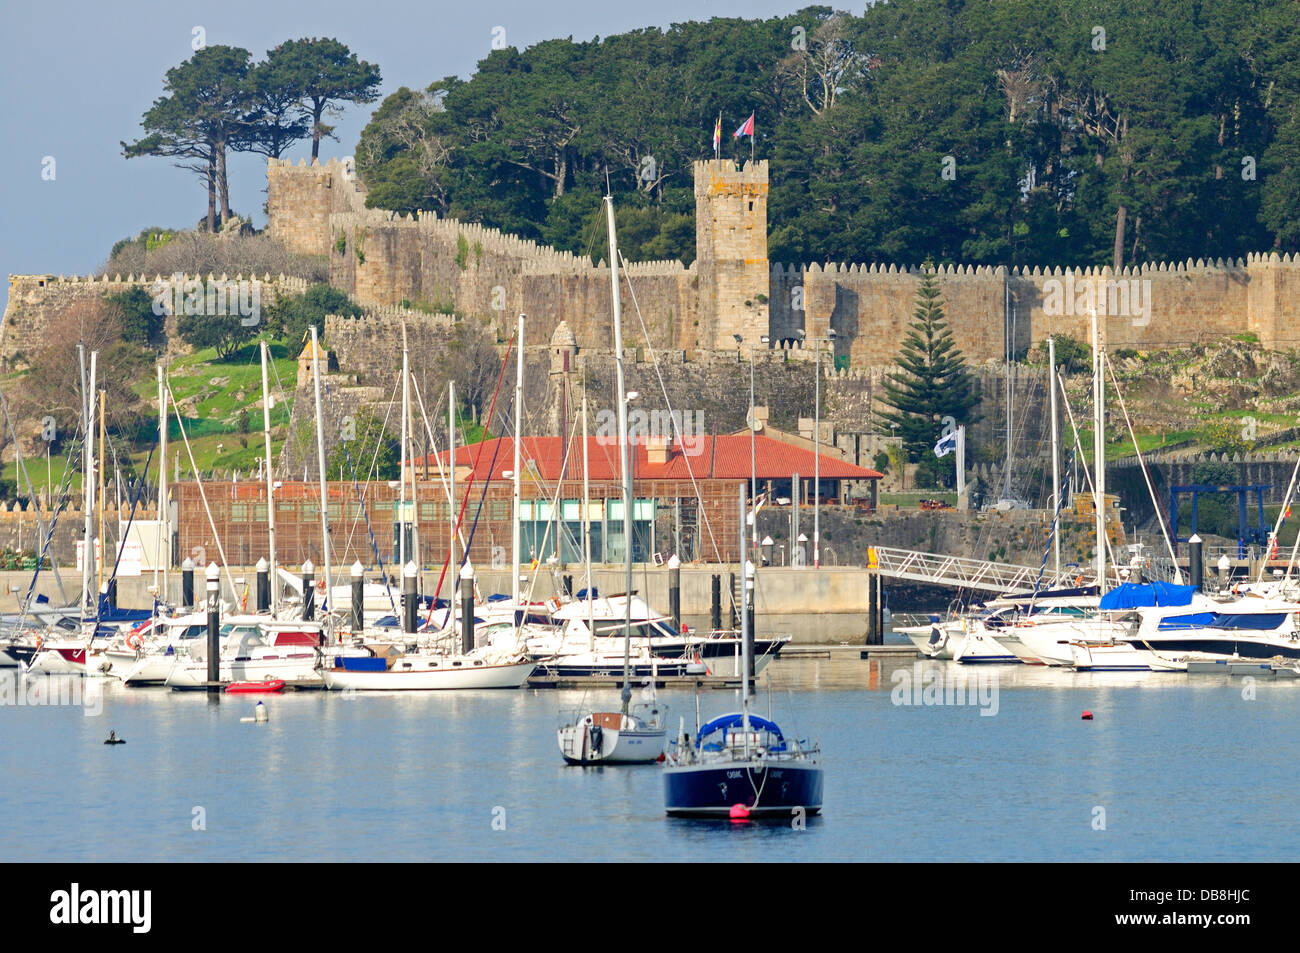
747 129
717 136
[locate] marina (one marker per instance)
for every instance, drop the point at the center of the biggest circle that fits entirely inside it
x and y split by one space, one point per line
906 780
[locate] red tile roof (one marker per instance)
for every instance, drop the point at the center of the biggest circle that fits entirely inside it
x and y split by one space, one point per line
724 457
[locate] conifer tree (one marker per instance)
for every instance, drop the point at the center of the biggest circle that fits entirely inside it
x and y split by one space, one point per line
933 381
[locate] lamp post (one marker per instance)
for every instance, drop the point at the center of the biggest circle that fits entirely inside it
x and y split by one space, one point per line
817 452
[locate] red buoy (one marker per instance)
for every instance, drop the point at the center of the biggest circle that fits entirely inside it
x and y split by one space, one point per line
1087 716
739 812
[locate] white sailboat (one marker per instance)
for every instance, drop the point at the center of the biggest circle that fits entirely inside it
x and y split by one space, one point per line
488 666
624 736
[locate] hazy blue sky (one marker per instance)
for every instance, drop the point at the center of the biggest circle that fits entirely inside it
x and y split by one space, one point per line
76 77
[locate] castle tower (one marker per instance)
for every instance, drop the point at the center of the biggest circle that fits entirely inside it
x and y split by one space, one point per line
731 252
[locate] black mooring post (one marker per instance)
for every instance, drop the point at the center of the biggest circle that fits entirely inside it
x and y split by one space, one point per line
308 591
715 604
410 598
187 584
263 585
1196 562
358 596
675 590
214 627
871 609
467 608
731 585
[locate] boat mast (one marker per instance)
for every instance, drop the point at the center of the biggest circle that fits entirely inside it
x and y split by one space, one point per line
744 625
451 469
324 495
586 525
88 473
1099 452
401 479
623 450
270 483
164 509
103 530
519 419
1056 459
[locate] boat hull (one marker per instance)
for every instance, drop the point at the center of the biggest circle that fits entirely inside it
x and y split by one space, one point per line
615 746
766 788
512 675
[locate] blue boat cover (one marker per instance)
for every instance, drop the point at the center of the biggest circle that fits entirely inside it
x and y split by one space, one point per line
735 720
1133 595
109 614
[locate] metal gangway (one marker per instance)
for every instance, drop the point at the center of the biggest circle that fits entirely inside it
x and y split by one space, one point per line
959 572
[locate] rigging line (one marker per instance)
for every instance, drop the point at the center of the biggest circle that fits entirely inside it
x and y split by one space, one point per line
1178 576
64 486
216 537
1087 473
559 492
21 468
374 464
461 515
123 535
369 529
434 452
676 425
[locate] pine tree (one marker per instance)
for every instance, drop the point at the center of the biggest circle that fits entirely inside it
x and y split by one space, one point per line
933 381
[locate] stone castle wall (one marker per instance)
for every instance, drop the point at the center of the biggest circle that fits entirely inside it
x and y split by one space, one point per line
37 301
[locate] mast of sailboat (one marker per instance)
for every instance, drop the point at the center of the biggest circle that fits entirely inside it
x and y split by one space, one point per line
270 482
623 450
103 530
1011 330
324 494
164 556
514 526
88 472
586 525
451 470
401 479
1099 452
744 625
1056 459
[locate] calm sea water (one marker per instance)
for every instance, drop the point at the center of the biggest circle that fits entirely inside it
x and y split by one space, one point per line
1184 768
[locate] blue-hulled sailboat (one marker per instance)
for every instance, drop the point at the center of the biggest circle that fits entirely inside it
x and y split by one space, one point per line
741 765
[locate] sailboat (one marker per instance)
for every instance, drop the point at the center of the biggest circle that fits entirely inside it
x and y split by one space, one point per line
486 666
740 765
624 736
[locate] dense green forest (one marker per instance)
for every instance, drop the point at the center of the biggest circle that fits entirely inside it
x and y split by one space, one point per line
1004 131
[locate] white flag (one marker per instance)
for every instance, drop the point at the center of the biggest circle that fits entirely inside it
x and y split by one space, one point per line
946 445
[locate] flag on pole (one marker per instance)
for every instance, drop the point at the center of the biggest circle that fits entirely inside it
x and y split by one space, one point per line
946 445
717 136
746 129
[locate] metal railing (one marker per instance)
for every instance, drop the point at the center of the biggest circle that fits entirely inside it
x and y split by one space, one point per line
963 573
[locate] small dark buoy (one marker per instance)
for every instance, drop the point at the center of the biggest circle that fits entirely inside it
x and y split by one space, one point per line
113 739
1087 716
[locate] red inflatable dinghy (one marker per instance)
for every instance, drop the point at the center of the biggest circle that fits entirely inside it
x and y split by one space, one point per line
255 688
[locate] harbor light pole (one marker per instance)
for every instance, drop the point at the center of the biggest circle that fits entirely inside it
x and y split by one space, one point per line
817 452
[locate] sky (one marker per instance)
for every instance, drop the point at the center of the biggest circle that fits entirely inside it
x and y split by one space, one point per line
76 77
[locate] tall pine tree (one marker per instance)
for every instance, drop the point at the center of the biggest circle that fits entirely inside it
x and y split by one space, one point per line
933 381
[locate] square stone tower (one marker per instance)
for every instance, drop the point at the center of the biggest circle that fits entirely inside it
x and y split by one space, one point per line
731 252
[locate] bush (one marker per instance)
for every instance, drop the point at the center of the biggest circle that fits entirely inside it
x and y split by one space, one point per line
290 318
